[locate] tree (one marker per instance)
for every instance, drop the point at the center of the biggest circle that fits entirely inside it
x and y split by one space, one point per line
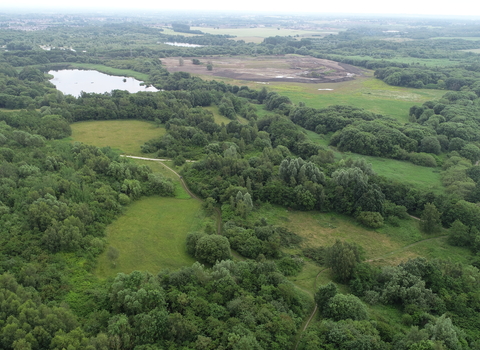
181 61
209 66
459 234
324 294
342 258
430 219
211 248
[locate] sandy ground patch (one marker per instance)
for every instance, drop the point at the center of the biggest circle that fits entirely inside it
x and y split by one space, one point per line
287 68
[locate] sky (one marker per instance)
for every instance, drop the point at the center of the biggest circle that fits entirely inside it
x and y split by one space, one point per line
410 7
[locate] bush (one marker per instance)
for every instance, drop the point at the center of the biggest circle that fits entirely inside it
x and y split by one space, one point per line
342 307
370 219
423 159
290 266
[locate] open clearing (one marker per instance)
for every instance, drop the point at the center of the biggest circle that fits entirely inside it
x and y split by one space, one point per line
150 236
124 135
402 171
285 68
363 92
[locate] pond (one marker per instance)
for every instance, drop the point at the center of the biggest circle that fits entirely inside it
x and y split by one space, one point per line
74 81
183 44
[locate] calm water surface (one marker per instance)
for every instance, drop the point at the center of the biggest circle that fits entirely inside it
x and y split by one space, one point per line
74 81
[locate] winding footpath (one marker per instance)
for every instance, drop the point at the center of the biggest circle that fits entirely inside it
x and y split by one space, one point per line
218 214
315 309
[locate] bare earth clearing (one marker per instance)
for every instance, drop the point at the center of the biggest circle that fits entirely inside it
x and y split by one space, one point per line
287 68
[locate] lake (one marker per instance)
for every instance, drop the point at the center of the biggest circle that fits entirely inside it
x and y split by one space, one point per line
74 81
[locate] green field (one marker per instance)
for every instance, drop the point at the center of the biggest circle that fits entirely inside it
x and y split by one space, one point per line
124 135
219 119
418 176
150 236
364 92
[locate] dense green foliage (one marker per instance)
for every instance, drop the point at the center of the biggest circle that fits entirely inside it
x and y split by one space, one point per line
56 198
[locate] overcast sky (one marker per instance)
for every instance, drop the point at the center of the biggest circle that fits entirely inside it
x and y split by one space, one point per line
444 8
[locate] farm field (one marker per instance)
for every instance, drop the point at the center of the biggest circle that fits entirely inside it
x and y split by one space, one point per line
256 35
150 236
124 135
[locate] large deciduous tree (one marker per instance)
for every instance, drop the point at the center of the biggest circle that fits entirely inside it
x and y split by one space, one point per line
430 219
342 258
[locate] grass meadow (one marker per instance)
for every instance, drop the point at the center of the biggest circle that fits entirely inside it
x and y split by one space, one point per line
363 92
124 135
385 246
150 236
418 176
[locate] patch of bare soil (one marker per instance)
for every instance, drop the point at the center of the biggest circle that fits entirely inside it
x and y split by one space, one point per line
288 68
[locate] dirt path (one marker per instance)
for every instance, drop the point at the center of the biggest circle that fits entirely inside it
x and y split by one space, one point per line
404 248
218 214
314 312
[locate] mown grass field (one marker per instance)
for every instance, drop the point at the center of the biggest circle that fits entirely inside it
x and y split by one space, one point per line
150 236
124 135
363 92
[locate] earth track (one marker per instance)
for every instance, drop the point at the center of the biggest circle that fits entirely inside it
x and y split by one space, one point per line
314 312
218 214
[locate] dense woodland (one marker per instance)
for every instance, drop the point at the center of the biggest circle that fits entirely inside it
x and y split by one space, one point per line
56 198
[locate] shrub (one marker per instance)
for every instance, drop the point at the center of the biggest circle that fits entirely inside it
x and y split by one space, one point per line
423 159
342 307
370 219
